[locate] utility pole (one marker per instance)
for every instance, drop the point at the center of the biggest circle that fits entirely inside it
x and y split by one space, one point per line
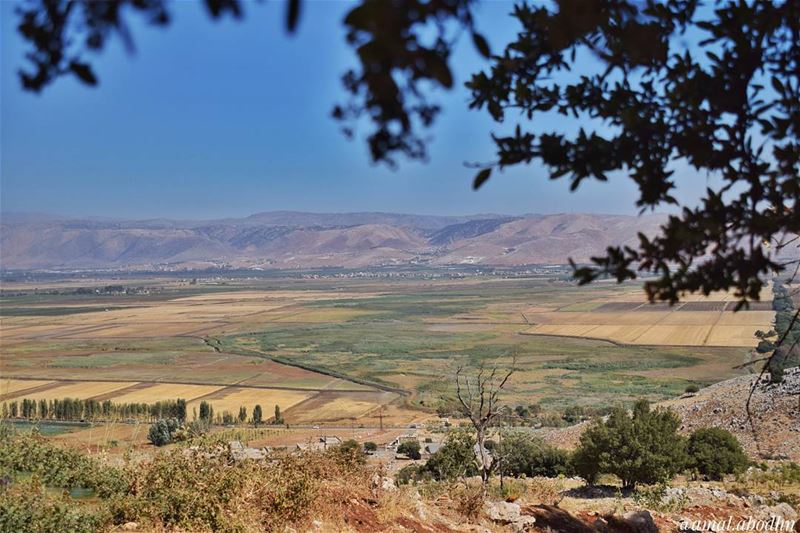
380 416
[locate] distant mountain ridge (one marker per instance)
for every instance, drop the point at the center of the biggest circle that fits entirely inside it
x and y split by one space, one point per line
288 239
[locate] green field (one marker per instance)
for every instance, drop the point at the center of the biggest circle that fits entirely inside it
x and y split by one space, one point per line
406 333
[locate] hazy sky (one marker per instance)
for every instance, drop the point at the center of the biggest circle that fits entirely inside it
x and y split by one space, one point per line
228 118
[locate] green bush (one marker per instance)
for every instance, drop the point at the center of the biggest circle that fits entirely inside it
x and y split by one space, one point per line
455 459
656 498
159 433
26 507
692 389
574 414
765 346
370 447
413 473
411 449
58 467
715 452
162 493
776 368
644 447
523 454
349 452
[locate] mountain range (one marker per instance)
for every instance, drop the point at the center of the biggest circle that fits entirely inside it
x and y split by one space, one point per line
291 240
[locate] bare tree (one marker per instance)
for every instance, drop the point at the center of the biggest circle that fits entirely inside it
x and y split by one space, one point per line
479 398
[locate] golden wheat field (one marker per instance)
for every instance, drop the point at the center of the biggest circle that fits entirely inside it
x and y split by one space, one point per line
166 391
696 321
10 386
333 409
79 389
232 398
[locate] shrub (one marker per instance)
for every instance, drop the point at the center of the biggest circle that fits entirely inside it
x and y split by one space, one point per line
58 467
410 448
657 498
370 447
348 453
522 411
413 473
168 430
468 499
523 454
715 452
162 493
27 507
642 448
573 414
776 369
159 433
455 459
692 389
765 346
513 489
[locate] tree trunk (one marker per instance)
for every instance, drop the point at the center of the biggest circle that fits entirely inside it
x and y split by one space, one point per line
484 460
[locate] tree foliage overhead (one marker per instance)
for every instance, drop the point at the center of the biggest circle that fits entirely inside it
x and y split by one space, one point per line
727 107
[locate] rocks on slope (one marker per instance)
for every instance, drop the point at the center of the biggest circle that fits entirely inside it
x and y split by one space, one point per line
775 411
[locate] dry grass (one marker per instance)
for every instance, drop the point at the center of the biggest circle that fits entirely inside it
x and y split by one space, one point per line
9 386
675 335
112 436
622 334
734 335
166 391
333 409
665 328
80 389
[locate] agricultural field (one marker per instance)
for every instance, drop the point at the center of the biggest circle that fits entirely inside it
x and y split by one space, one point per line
627 319
334 349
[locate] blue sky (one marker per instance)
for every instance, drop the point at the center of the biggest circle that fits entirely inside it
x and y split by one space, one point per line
229 118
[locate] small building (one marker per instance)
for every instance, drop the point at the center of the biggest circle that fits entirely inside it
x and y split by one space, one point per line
323 443
408 437
240 452
432 447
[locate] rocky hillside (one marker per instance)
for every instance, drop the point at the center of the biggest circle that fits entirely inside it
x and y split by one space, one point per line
313 240
775 410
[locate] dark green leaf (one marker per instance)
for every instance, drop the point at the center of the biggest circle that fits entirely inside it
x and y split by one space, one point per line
481 178
481 44
84 72
292 15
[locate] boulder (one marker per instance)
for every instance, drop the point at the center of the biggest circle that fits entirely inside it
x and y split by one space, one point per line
508 513
640 522
785 511
383 483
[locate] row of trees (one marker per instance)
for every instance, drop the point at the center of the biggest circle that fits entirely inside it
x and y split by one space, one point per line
76 409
